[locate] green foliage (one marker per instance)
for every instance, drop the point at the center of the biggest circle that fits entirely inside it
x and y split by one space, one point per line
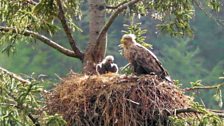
213 94
37 17
196 83
15 13
127 69
39 59
204 118
54 120
174 15
9 41
218 97
208 118
214 4
203 59
46 10
22 101
177 16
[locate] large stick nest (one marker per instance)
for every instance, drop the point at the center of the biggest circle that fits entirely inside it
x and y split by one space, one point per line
113 99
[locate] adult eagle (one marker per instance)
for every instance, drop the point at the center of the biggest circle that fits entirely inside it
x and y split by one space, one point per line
143 60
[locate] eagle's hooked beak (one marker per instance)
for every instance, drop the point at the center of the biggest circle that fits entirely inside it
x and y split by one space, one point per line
121 43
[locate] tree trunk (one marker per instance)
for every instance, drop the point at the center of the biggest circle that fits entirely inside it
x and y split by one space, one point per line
96 22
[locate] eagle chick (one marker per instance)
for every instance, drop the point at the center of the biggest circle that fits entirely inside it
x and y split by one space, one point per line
107 66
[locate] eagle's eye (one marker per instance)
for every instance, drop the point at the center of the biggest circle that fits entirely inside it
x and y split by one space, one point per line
109 61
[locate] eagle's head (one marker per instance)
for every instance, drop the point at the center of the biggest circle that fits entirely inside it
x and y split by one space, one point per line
127 40
108 59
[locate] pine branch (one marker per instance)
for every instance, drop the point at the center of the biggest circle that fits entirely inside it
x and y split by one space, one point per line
19 106
204 87
32 2
105 28
68 32
34 120
186 110
191 110
12 75
207 13
115 7
43 39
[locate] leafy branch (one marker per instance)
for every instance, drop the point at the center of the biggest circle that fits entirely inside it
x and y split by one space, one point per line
217 86
20 102
42 38
115 7
193 110
32 2
12 75
214 5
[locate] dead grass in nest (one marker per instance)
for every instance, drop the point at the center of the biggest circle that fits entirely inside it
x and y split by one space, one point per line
114 99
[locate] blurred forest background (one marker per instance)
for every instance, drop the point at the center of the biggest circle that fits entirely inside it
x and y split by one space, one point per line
187 59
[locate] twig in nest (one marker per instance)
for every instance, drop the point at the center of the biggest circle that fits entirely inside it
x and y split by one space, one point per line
133 101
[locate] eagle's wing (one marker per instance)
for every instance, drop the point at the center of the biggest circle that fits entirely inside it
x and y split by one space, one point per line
114 68
99 69
145 59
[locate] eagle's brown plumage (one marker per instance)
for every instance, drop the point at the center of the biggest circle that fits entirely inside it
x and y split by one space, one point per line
142 59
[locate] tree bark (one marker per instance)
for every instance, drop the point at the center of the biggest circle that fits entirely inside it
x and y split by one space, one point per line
96 22
68 32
